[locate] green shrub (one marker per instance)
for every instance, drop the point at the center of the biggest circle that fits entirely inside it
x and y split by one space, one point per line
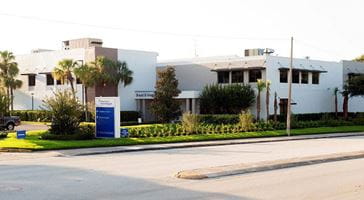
219 119
246 120
190 122
3 134
226 99
66 113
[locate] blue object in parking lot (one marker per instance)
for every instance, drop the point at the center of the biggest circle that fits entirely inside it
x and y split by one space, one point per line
124 132
21 134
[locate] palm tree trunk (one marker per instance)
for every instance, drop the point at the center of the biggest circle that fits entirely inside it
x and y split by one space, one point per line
86 108
12 99
258 106
275 107
267 103
72 88
336 106
345 106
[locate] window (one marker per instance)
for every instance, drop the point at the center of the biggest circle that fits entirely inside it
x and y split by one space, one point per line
254 75
223 77
283 76
50 79
31 80
304 77
59 82
295 76
237 76
315 78
78 81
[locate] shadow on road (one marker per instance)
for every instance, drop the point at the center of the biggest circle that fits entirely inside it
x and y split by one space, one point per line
53 182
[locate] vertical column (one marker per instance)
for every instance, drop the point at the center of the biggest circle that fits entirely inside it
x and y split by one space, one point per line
143 109
193 106
230 77
187 105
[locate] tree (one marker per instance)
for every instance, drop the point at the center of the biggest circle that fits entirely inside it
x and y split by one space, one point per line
3 104
336 91
86 73
359 59
275 106
164 106
260 87
226 99
267 86
112 72
64 72
352 88
8 72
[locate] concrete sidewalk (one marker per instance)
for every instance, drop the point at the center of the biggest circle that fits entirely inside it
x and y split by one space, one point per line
244 168
133 148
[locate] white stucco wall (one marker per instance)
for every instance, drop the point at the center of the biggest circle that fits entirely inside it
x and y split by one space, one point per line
39 63
143 64
310 98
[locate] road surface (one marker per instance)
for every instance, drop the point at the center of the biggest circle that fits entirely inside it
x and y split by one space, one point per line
150 174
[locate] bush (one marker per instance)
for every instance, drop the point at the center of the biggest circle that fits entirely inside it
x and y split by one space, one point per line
219 119
3 134
246 120
226 99
84 132
316 116
190 122
66 113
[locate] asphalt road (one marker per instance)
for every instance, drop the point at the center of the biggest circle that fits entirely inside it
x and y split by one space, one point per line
30 127
150 175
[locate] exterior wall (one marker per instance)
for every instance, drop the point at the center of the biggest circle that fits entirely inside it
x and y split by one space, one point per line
309 98
194 76
143 64
356 104
39 63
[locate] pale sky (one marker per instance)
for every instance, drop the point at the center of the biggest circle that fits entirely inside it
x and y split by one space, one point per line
323 29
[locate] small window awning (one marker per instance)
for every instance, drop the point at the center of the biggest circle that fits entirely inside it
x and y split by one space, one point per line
239 65
303 69
238 69
28 74
45 73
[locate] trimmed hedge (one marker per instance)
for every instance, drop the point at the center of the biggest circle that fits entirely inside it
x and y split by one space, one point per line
85 132
316 116
46 116
3 134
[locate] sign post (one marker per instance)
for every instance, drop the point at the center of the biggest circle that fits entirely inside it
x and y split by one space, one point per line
107 117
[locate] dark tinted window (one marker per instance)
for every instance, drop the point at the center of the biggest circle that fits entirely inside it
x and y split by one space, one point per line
304 77
254 75
50 79
78 81
223 77
238 76
283 76
59 82
295 76
315 78
31 80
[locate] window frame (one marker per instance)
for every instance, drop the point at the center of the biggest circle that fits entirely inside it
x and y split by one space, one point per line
253 78
238 78
306 79
318 78
32 80
295 81
281 77
49 77
222 78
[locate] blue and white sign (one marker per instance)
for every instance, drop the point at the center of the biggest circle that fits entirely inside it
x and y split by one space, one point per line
21 134
107 117
124 132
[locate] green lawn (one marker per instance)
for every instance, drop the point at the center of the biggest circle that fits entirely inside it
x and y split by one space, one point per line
33 142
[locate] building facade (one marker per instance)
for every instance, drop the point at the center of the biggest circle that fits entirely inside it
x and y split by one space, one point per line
313 81
36 73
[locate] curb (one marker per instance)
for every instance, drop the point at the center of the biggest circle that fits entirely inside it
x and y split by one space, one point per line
238 169
167 146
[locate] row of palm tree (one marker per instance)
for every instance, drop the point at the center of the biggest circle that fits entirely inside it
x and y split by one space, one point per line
100 72
8 72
